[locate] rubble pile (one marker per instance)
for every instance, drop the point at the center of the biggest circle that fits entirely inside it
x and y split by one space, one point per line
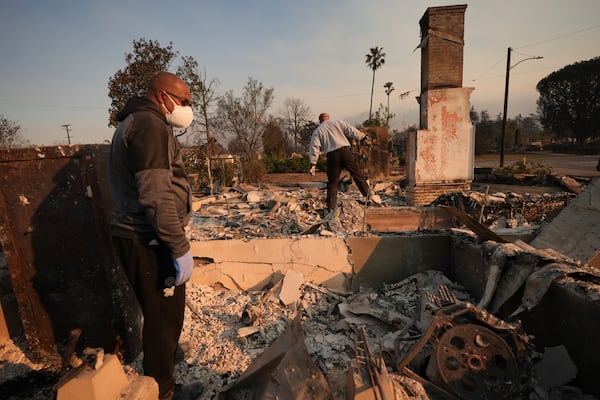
219 340
507 210
226 330
271 212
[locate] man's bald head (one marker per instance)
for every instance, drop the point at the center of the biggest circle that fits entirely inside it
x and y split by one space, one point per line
165 81
172 85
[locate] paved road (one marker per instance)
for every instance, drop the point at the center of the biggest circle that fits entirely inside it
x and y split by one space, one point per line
566 164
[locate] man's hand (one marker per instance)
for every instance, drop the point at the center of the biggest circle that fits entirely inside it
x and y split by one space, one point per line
313 170
183 267
367 141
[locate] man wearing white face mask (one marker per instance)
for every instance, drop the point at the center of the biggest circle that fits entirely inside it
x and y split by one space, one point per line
152 195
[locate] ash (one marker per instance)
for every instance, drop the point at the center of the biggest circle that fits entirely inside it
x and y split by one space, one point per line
219 342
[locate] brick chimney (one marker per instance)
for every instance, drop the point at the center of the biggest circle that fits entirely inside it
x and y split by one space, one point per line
442 42
440 154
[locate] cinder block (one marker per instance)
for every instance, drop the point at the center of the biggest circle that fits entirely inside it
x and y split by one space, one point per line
103 384
140 388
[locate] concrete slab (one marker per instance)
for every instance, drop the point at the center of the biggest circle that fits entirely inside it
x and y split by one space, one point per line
103 384
250 265
575 232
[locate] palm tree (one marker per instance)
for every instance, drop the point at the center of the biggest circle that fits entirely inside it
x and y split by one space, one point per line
375 59
389 88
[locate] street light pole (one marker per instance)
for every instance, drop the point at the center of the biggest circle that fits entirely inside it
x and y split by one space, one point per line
508 68
505 107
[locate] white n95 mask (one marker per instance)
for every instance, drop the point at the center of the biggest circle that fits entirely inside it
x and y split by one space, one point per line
181 116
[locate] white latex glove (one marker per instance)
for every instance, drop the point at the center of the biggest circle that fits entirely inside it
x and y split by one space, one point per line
183 267
313 170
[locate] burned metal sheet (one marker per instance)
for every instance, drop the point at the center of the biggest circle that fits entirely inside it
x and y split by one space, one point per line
284 371
53 235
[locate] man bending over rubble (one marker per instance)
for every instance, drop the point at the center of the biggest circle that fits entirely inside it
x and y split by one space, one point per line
333 139
151 191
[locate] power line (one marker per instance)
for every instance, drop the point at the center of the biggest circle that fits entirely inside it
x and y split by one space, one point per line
488 70
480 76
561 36
52 106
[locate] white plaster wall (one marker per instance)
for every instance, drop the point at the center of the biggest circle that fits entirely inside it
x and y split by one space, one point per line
444 152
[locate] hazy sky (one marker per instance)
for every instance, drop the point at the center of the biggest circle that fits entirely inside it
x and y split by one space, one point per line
58 55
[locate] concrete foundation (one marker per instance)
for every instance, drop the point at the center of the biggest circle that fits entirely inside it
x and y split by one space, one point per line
569 313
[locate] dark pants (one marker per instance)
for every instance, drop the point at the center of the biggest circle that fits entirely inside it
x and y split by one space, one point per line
146 263
336 160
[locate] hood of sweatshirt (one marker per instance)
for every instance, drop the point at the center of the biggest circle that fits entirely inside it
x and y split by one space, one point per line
137 104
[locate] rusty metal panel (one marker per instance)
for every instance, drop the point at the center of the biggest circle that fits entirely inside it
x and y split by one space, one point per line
54 238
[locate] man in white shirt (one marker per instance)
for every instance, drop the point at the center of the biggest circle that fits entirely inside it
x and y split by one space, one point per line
332 138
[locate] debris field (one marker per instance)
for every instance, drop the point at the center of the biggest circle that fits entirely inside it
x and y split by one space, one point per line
225 331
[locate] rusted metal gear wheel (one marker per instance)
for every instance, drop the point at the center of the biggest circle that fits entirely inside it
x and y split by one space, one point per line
474 362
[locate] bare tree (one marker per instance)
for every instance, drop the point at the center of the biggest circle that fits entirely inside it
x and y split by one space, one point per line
204 95
295 114
243 119
374 60
10 134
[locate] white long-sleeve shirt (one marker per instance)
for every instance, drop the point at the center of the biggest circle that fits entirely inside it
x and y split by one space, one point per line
330 136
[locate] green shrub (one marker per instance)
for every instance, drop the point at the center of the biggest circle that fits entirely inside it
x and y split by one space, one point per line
254 170
276 165
523 167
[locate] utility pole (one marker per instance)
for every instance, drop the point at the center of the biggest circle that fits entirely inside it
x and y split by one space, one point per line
505 107
508 68
66 126
389 88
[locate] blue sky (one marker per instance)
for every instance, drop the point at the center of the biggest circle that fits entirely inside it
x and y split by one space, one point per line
57 56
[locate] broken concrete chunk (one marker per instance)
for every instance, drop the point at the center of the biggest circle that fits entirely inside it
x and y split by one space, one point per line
247 331
290 290
258 196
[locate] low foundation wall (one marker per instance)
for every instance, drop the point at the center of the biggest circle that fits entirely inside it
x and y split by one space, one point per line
338 264
568 315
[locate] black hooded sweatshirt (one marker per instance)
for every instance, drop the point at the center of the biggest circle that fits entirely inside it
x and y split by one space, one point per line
147 178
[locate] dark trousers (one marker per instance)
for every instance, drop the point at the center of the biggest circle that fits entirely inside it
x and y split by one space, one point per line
336 160
146 263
